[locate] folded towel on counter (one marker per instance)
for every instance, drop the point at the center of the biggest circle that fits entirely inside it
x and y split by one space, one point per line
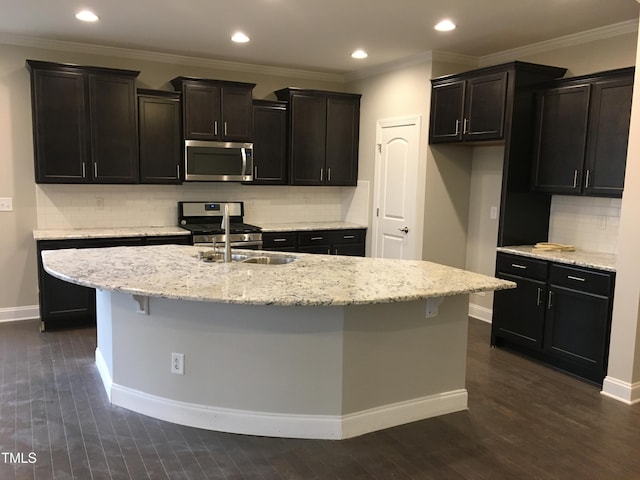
553 247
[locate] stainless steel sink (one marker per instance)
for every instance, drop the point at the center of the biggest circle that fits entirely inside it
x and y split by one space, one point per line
211 256
270 260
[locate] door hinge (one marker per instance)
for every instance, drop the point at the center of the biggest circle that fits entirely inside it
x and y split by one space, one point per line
377 212
379 148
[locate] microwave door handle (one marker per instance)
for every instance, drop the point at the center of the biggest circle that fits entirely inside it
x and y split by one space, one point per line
244 161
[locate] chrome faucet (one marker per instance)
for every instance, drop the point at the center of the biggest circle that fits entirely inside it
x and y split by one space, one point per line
227 234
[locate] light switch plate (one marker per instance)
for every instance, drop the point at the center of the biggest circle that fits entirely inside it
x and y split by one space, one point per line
6 204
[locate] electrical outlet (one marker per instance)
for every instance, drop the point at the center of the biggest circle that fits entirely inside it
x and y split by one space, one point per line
6 204
100 203
177 363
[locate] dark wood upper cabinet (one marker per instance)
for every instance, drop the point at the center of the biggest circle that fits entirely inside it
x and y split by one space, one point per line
468 107
84 123
608 135
216 109
159 136
323 136
269 142
581 134
561 135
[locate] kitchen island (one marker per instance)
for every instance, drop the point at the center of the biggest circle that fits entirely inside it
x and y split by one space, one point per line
322 347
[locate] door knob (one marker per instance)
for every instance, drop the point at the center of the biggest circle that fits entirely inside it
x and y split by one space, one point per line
405 229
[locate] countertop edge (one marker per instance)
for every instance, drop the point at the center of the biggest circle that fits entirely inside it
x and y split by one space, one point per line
579 258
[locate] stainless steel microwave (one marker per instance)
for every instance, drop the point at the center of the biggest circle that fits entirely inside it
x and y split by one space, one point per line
206 161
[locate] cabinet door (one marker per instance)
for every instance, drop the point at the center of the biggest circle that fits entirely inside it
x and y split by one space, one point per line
485 107
237 114
270 144
343 118
447 104
201 112
308 137
60 121
114 138
518 314
577 330
159 139
609 118
560 139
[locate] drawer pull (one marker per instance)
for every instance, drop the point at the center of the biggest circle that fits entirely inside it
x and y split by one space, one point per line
317 238
579 279
279 239
515 265
550 300
349 237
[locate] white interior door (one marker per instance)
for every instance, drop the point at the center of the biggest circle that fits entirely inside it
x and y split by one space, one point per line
397 229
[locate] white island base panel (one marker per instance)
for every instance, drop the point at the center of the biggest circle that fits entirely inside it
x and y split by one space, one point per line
329 372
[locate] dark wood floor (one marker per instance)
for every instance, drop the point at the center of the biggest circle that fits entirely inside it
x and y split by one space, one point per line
525 421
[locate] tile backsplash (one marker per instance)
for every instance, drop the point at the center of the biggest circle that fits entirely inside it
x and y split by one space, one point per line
96 206
589 223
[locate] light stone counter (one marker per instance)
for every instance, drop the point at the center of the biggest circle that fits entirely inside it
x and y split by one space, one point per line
324 347
302 226
173 271
107 232
581 258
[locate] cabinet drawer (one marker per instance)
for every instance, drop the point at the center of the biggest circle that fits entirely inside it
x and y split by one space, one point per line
278 240
521 266
314 237
589 281
347 236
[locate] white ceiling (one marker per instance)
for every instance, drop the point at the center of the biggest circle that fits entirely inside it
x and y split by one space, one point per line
312 34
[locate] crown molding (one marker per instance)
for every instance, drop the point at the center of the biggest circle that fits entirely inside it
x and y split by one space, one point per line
617 29
174 59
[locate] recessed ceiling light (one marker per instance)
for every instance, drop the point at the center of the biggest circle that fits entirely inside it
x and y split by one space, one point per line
359 54
239 37
445 26
87 16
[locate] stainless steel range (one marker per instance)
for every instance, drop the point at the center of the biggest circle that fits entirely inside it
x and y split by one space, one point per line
205 222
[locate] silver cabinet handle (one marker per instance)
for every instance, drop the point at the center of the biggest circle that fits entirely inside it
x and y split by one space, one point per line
329 174
405 229
225 129
279 240
317 238
586 179
348 237
579 279
457 127
215 127
178 172
515 265
575 178
465 126
84 170
539 299
550 300
95 169
321 174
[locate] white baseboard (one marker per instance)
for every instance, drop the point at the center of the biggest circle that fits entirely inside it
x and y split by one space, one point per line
625 392
327 427
480 313
103 370
15 314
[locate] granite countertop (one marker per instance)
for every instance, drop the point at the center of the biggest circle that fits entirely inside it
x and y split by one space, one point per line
301 226
107 232
174 271
601 261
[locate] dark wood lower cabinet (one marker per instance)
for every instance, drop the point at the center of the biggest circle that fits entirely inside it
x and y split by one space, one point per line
329 242
66 305
562 319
